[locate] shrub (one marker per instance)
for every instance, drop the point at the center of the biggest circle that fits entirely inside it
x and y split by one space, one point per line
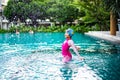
76 28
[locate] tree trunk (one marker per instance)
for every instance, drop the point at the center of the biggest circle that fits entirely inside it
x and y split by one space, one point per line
113 24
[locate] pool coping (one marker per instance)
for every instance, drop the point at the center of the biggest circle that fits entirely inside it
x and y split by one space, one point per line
105 35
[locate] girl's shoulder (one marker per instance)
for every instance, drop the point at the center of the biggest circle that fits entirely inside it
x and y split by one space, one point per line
70 41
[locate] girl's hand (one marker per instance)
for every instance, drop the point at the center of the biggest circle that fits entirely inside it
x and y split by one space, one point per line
78 48
81 58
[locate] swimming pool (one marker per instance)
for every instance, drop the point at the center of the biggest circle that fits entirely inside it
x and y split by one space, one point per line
38 57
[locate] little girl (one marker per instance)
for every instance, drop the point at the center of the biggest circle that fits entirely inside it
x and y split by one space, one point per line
67 44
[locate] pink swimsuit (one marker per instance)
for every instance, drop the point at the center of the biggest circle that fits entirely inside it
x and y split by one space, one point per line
65 52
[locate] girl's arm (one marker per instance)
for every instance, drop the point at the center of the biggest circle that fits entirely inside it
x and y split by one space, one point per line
75 48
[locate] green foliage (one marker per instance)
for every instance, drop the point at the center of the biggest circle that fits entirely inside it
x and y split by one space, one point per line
25 9
3 31
112 5
95 13
58 10
90 13
76 28
62 11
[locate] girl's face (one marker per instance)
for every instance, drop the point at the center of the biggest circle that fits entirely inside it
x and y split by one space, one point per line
67 35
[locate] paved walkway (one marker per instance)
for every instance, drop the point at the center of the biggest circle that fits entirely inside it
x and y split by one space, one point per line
105 35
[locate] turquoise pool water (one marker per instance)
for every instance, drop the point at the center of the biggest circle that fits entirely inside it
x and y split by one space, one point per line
38 57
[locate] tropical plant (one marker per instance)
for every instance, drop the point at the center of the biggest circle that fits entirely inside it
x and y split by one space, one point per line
95 13
62 28
114 7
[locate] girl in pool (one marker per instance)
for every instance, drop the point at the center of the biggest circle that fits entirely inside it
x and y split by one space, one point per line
67 44
17 31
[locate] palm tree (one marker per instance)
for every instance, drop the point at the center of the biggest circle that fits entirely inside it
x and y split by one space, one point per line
114 7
